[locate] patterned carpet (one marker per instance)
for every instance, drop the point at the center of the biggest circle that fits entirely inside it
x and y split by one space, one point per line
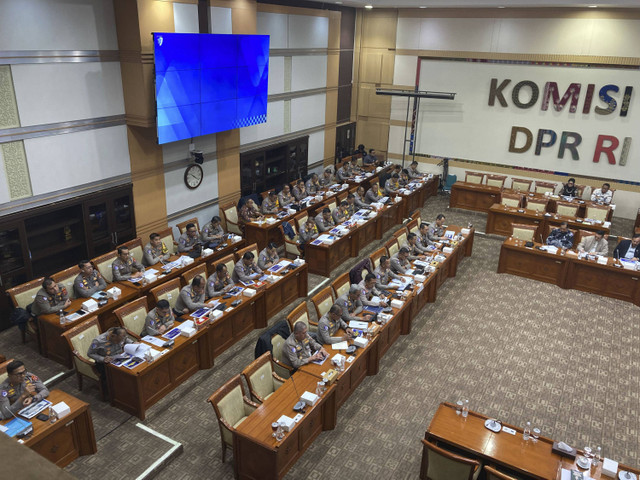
517 349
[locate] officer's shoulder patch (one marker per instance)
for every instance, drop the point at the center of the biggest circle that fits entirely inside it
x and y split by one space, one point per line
34 377
293 349
325 327
4 393
151 323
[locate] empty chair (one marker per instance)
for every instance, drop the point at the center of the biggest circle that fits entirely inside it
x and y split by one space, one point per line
597 212
232 407
392 247
291 246
401 236
3 370
230 217
322 301
511 200
566 209
79 339
521 184
132 316
261 378
524 232
413 226
168 291
451 179
341 285
474 177
537 204
545 187
493 474
496 180
22 296
440 464
416 215
580 190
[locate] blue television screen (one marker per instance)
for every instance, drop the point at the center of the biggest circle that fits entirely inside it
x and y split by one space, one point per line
207 83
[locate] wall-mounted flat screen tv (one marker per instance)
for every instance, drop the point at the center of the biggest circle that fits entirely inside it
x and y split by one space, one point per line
208 83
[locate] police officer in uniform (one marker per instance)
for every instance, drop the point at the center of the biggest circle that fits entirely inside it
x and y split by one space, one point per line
308 231
246 269
191 297
327 178
19 390
400 261
189 239
324 220
270 204
268 257
393 185
219 282
384 274
300 191
330 323
344 173
341 212
423 238
285 199
374 194
313 184
212 233
359 197
104 347
351 305
155 251
415 251
436 229
368 290
158 320
413 170
89 281
298 347
125 266
51 298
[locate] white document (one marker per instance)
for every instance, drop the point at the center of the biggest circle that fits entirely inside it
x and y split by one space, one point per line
566 475
186 324
151 272
340 345
136 349
153 340
421 263
359 325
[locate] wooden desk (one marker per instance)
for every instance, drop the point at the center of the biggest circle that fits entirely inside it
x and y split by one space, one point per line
292 285
322 259
135 390
472 196
256 452
533 460
517 259
417 198
390 215
615 282
67 439
501 218
366 362
54 346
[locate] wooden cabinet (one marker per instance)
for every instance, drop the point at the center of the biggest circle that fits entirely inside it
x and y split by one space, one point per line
269 167
45 240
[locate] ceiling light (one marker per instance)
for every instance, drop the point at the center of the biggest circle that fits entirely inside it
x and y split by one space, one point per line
339 3
593 6
423 6
502 6
368 7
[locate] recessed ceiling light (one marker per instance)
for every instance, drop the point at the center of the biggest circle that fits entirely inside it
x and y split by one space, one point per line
339 3
368 7
423 6
502 6
593 6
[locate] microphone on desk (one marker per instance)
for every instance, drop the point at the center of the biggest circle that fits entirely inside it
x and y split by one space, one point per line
299 406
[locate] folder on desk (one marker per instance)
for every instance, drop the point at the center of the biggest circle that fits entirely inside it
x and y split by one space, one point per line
17 426
358 324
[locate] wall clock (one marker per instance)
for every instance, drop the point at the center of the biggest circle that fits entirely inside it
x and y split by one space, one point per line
193 176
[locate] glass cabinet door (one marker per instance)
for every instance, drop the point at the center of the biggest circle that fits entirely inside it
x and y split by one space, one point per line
122 212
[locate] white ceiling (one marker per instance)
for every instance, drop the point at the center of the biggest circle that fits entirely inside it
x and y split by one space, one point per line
484 3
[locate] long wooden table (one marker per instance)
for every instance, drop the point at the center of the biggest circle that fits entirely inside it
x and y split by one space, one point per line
69 438
534 460
569 271
501 218
473 196
257 454
135 390
55 347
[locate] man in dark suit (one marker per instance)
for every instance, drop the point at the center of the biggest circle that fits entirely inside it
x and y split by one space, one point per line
629 249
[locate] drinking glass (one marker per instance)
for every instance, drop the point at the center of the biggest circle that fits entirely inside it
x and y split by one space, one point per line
279 432
458 407
535 434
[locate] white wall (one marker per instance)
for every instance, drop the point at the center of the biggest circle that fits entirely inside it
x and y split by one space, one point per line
568 36
74 159
59 92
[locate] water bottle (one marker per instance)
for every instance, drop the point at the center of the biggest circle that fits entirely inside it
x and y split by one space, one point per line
597 457
526 433
63 319
465 409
